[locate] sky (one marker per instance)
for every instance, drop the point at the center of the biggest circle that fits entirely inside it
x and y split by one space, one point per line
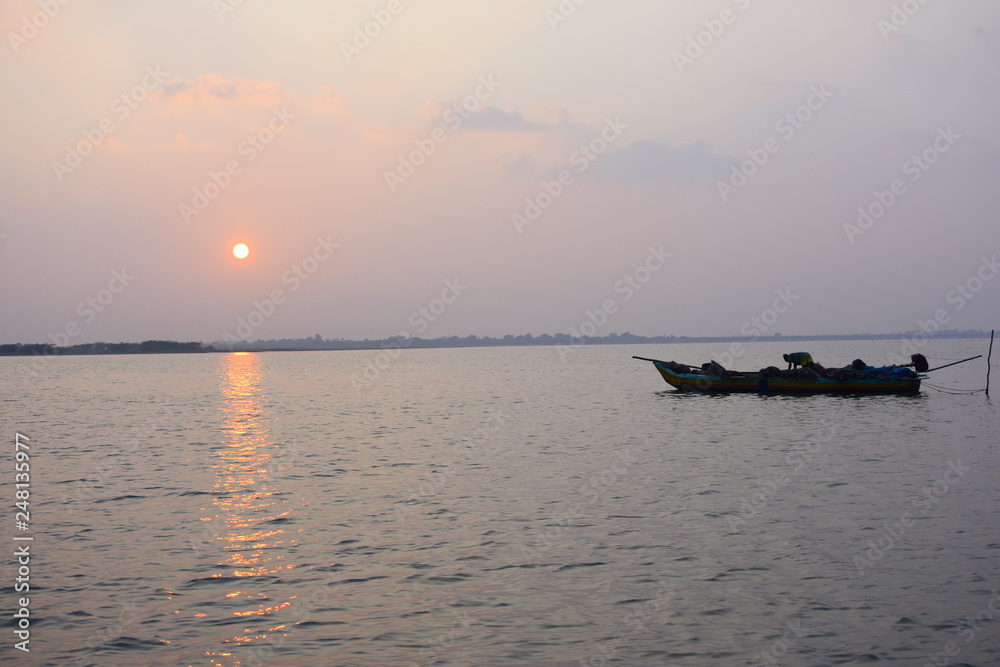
438 168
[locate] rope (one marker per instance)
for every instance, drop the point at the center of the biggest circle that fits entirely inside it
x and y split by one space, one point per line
945 390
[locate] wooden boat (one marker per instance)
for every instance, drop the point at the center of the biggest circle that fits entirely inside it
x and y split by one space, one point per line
686 378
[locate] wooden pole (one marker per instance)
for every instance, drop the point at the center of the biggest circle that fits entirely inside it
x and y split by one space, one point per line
988 357
937 368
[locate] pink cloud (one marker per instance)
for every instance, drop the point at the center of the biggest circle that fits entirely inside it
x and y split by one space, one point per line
181 140
215 93
330 101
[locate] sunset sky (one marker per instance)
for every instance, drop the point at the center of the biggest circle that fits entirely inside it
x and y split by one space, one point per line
445 168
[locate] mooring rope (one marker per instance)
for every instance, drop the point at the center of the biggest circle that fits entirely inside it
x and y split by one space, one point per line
946 390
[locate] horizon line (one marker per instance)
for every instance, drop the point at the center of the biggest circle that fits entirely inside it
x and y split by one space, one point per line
509 339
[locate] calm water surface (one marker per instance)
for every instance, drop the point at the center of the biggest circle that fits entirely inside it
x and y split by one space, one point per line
502 506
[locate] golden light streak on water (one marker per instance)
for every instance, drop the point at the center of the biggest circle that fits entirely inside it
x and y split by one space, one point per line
247 493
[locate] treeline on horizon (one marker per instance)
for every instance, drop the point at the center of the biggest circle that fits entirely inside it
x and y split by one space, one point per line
318 343
145 347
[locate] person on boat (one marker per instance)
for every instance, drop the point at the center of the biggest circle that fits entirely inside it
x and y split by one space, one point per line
796 359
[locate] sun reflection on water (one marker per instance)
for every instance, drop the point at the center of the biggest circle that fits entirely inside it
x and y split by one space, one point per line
250 508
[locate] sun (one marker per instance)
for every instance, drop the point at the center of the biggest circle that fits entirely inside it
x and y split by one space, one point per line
241 251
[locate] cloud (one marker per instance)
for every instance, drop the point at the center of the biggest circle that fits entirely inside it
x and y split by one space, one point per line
180 140
210 110
492 119
639 161
114 144
329 101
487 118
216 93
653 161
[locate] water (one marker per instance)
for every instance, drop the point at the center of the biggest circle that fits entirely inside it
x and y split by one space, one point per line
501 506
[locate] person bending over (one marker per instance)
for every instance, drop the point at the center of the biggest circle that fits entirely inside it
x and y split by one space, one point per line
796 359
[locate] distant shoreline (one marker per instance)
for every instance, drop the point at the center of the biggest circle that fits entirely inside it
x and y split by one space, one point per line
526 340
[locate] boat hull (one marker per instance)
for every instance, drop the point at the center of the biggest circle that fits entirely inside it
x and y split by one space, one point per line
754 383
